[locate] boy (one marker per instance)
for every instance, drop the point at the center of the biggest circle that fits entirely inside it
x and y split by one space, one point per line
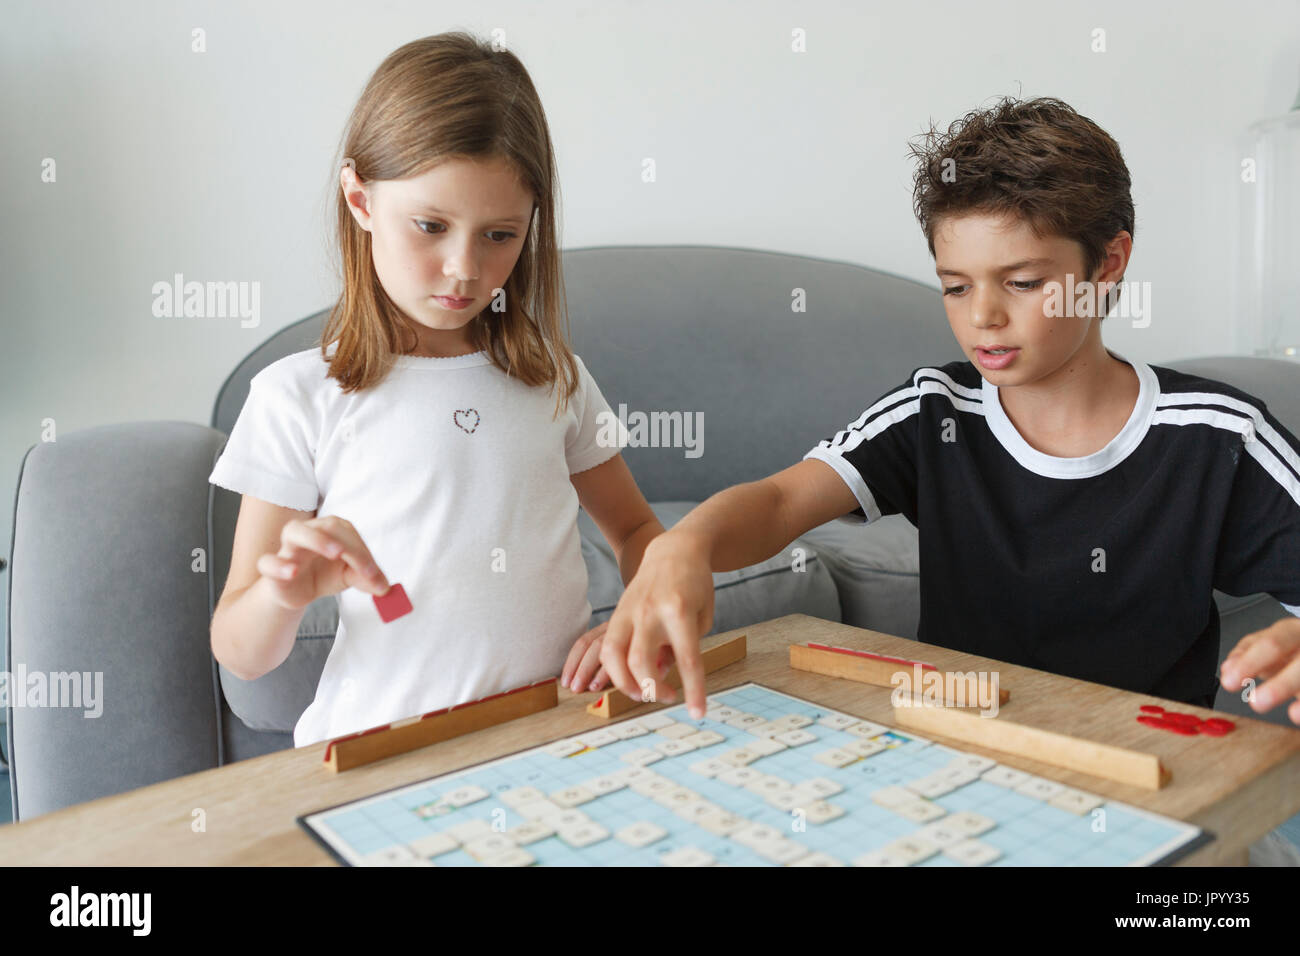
1074 508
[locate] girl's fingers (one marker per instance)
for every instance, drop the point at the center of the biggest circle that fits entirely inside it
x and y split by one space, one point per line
305 536
586 646
335 539
577 654
570 665
273 566
587 668
358 558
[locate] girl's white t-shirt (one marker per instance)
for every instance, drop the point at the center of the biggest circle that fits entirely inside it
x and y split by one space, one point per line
457 478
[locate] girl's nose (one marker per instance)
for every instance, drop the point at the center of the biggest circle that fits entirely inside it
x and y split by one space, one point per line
462 268
460 261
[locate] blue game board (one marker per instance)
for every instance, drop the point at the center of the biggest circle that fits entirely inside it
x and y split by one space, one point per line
763 779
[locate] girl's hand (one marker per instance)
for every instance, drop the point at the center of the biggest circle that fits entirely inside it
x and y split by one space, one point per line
584 660
582 671
663 613
1273 654
318 557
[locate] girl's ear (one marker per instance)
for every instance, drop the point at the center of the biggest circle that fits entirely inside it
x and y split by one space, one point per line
356 195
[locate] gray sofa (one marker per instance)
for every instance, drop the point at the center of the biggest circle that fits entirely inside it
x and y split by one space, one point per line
121 547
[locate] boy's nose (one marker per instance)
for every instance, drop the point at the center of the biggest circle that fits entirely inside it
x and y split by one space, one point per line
985 309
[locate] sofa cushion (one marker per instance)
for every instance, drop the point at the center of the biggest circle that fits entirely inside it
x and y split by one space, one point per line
275 701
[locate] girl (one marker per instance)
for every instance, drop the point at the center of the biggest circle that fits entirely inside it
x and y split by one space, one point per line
443 427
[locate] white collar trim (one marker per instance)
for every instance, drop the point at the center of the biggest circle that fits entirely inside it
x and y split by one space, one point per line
1119 448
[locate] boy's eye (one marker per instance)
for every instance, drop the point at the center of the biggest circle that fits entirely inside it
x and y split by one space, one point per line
438 227
1020 286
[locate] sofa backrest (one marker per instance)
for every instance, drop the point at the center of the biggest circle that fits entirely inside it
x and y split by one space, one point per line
715 332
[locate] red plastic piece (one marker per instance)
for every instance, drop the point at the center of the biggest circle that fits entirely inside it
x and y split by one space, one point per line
393 604
1217 727
1186 724
1164 723
876 657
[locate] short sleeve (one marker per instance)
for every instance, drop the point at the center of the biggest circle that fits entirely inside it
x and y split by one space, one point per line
597 434
876 456
270 451
1259 542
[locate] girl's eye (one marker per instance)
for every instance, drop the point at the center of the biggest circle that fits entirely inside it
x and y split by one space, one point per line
954 290
421 223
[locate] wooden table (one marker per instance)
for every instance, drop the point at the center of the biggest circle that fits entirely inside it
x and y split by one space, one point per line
1238 787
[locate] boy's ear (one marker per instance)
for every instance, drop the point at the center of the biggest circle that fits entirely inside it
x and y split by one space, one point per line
1111 271
1115 263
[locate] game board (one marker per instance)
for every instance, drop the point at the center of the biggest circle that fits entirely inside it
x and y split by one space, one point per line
765 778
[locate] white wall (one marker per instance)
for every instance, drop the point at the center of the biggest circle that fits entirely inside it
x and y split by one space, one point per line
217 165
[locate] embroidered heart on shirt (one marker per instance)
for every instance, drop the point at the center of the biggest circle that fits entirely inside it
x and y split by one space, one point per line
472 421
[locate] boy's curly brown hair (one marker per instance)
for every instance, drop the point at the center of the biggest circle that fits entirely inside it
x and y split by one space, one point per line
1037 160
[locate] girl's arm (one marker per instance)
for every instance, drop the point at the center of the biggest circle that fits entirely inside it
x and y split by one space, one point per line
609 494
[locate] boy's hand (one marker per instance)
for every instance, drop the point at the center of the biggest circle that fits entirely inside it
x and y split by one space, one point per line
582 670
662 615
1273 654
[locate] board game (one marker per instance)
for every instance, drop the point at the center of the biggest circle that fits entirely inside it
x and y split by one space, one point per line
764 779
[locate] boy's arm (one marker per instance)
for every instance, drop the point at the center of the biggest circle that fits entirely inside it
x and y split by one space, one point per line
748 523
1259 551
670 601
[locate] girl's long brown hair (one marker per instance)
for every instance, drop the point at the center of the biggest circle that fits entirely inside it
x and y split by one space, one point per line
437 98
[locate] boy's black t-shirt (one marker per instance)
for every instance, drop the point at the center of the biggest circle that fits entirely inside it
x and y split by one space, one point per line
1101 567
